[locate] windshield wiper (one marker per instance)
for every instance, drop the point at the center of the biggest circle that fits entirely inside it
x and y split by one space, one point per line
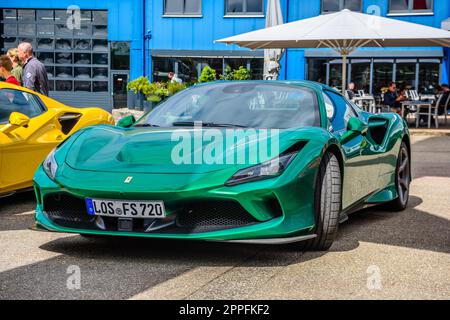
206 124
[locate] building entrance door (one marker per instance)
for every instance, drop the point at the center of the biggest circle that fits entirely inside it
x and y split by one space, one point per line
119 92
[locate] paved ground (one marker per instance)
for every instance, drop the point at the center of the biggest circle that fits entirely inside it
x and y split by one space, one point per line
377 255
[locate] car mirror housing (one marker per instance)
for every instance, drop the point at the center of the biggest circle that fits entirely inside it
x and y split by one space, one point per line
126 122
16 120
355 128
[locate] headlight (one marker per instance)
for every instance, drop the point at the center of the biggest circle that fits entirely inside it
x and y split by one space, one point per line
267 170
50 165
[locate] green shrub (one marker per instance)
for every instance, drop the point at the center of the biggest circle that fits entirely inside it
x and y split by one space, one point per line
242 74
208 75
138 85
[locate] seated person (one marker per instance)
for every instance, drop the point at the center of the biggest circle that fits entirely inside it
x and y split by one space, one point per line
351 92
445 91
393 100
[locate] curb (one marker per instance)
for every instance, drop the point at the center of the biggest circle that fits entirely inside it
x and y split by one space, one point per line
430 132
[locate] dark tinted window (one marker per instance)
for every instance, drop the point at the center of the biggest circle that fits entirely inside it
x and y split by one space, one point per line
18 101
247 104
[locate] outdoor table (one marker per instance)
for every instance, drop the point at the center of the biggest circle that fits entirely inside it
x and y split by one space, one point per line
361 101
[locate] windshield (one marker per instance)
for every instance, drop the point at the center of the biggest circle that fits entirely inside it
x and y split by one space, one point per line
244 104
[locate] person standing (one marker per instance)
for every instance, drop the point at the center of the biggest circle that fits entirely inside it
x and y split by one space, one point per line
5 70
173 78
17 67
34 74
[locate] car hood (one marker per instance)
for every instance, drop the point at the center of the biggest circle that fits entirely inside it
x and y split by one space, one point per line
180 150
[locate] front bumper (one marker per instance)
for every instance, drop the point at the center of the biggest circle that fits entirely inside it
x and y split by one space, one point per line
259 212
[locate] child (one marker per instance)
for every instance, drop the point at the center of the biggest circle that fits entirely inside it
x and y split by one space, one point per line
5 70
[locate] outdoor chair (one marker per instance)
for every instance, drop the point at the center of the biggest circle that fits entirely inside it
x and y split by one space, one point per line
361 93
414 95
431 111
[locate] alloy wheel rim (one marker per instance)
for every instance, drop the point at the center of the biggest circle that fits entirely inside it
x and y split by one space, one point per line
403 176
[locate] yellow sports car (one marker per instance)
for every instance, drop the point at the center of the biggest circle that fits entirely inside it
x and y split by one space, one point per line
31 125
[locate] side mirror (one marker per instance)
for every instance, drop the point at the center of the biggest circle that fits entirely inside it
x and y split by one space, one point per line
126 122
19 120
355 128
16 120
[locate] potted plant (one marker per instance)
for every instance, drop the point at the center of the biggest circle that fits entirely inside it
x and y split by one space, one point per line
136 88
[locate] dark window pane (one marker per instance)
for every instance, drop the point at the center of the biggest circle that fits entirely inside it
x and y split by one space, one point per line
82 45
317 70
64 72
100 58
100 17
10 14
45 30
26 15
100 73
399 5
428 77
100 31
100 45
100 86
63 85
406 76
10 29
255 6
83 31
64 58
46 57
120 55
235 6
354 5
27 29
45 15
82 73
84 86
50 71
382 75
174 6
330 5
257 68
361 75
192 6
63 44
422 4
82 58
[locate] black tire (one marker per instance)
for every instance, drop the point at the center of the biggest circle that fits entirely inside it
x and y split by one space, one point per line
328 198
402 181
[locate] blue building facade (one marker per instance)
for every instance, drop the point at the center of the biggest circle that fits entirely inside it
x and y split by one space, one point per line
155 37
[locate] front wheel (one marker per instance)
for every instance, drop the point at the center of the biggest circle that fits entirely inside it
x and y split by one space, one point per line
328 197
402 180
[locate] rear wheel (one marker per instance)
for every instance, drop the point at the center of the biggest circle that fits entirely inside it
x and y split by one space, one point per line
402 180
328 198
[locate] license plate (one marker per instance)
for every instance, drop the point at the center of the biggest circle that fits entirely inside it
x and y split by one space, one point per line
126 209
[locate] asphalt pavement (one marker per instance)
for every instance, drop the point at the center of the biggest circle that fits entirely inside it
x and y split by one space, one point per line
378 255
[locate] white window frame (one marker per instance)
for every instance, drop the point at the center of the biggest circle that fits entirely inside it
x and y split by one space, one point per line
341 6
183 14
410 10
244 13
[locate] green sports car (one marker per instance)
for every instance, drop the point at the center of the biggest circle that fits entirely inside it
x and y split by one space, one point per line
251 162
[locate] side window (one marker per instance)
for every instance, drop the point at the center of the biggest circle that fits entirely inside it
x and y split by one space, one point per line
18 101
343 111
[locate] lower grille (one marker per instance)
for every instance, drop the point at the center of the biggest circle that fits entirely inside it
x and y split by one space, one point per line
217 215
68 211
